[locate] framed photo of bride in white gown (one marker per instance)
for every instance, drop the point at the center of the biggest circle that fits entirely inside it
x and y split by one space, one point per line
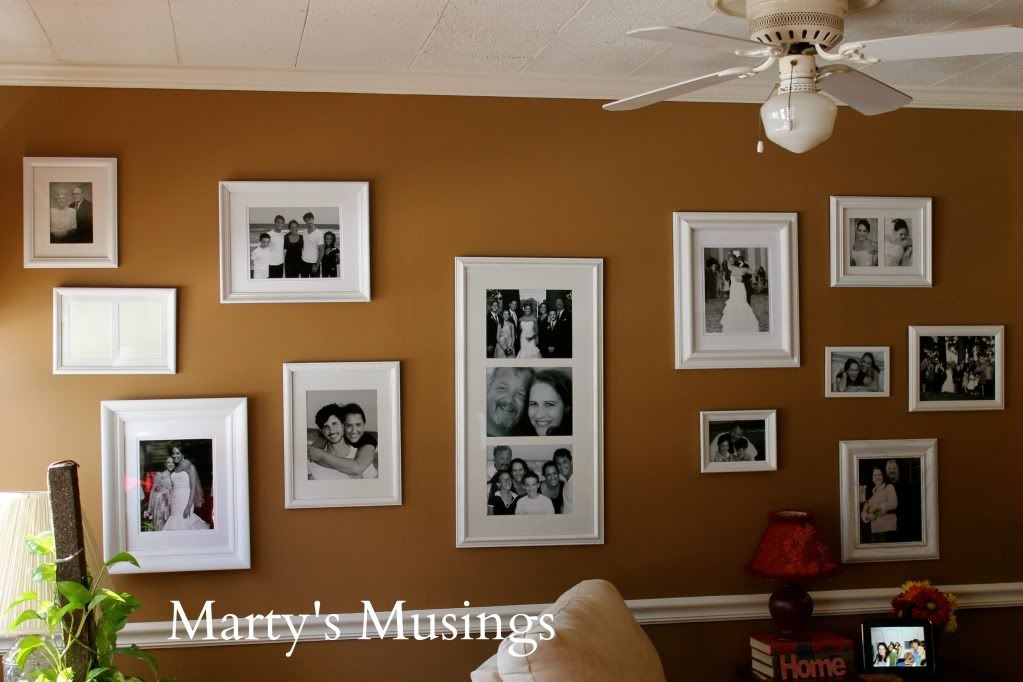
881 241
736 290
529 402
175 484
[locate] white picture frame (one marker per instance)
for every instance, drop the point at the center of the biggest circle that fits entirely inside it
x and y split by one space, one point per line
965 397
917 462
702 340
136 435
714 426
893 264
70 212
832 381
578 284
248 209
375 388
114 331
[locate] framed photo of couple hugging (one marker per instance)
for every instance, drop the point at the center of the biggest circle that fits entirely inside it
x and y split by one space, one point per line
881 242
529 413
736 290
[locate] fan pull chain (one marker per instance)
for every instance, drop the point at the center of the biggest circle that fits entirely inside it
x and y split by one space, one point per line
788 107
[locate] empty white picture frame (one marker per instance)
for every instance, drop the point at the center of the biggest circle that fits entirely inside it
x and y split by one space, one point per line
114 331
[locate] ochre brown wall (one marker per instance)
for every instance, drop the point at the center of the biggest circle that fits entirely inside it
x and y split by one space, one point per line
512 177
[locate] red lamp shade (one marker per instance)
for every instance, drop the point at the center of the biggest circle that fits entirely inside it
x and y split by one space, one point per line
791 550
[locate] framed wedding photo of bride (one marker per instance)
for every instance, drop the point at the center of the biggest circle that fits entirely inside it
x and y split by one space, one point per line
881 241
736 290
342 434
736 441
176 484
529 401
956 368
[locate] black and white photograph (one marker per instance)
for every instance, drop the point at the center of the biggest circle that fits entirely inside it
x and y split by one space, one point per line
528 324
341 429
529 401
956 368
738 441
524 480
294 242
736 284
177 484
71 213
856 372
881 241
889 500
736 291
863 242
889 493
342 434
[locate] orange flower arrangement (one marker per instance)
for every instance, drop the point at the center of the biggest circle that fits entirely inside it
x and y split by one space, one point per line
920 599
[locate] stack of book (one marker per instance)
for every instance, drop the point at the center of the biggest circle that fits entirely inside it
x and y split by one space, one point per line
812 656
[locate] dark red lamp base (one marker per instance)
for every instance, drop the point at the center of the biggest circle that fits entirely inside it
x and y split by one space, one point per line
791 607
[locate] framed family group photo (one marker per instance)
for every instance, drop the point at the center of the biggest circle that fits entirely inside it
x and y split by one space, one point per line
742 440
857 372
294 242
529 414
342 434
956 368
889 498
70 212
881 241
736 290
176 483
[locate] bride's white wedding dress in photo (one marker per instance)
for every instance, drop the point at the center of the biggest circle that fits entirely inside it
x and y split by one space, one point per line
181 487
528 348
738 317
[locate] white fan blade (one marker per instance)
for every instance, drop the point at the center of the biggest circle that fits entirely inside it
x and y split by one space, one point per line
711 41
661 94
990 40
863 93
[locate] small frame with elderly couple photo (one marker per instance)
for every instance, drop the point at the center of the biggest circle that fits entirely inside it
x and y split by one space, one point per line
737 441
857 372
880 241
528 390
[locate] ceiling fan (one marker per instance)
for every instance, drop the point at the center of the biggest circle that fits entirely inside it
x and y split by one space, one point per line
793 34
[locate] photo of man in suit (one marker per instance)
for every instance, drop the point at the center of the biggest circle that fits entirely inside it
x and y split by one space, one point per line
83 212
493 326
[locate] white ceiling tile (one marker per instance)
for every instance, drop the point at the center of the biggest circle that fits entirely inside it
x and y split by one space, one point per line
493 35
904 17
21 37
587 60
238 32
354 34
105 31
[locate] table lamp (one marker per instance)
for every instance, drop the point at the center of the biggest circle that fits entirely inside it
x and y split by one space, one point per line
791 551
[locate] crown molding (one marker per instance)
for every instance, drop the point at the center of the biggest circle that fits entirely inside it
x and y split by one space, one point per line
422 83
664 611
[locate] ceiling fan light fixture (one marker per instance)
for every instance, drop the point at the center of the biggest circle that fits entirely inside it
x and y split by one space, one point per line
800 122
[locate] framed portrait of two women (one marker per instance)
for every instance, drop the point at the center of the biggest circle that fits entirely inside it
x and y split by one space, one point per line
881 241
529 412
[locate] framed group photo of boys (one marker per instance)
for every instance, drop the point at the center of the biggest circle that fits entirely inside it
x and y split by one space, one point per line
342 434
956 368
176 483
736 290
889 498
529 406
294 242
70 212
881 241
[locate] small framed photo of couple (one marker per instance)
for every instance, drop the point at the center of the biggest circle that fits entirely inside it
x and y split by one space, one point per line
881 241
342 434
889 498
70 210
736 290
176 483
745 440
529 415
958 368
857 372
294 242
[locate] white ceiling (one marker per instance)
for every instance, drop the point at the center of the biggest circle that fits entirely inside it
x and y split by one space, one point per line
570 48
